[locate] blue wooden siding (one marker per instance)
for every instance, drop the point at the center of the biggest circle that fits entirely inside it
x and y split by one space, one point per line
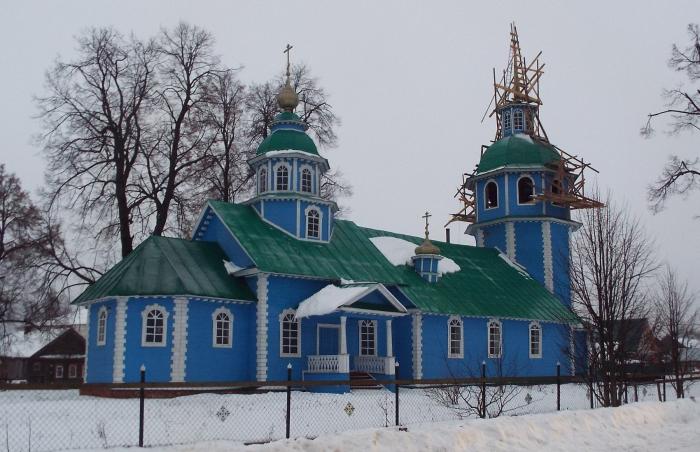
529 251
560 262
156 359
100 357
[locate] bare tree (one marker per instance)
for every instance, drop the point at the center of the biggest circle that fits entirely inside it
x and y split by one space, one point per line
679 176
611 261
676 318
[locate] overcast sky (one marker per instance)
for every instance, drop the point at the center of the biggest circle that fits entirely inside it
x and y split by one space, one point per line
410 82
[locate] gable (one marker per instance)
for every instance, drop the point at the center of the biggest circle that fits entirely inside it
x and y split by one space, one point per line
70 342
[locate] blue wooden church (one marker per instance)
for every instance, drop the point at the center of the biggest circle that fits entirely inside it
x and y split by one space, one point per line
278 280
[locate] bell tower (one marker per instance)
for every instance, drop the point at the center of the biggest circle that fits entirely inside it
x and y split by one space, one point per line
520 196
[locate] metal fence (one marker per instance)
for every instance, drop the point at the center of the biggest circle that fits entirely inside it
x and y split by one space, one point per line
36 418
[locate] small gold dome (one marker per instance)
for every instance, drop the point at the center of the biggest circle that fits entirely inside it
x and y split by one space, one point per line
287 98
427 247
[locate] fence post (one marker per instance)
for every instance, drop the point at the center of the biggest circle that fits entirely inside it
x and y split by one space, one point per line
483 389
636 395
658 390
141 399
664 379
289 397
590 385
558 386
396 388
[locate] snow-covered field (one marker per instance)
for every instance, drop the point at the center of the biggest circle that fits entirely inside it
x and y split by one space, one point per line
58 420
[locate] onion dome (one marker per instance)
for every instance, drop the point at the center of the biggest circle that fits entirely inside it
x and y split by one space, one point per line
287 98
517 151
427 247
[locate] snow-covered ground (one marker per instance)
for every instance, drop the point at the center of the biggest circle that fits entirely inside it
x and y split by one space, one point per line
60 420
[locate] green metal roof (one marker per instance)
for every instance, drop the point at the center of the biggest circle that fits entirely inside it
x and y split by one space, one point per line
168 266
286 139
486 285
515 151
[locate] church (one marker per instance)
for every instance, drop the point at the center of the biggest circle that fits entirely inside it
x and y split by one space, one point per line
278 281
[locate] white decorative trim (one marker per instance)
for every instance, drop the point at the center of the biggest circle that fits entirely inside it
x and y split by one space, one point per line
417 346
103 310
486 198
488 338
119 341
261 327
517 188
507 194
298 228
282 315
449 337
547 255
343 335
302 167
144 316
389 339
267 180
359 337
294 179
222 310
179 349
510 240
534 324
480 237
289 176
306 222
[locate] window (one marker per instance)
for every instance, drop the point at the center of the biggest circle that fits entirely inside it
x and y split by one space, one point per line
306 180
102 326
289 334
282 183
154 326
368 338
526 190
491 195
72 371
262 180
59 371
518 123
222 328
494 339
456 338
313 224
535 341
506 121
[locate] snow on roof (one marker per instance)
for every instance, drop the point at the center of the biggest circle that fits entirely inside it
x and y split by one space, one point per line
231 268
329 299
515 265
400 251
523 136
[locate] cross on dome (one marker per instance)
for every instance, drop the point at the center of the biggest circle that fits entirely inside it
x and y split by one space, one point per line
287 98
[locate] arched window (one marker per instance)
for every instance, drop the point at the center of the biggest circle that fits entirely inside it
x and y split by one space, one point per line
526 190
102 326
491 195
518 122
535 340
154 327
222 328
313 222
456 338
262 180
282 179
290 330
506 120
494 339
306 180
368 338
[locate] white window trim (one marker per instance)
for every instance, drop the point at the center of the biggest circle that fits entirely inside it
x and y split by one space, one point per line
267 180
59 366
517 189
105 311
529 343
289 175
486 198
522 116
72 371
500 338
359 342
507 113
230 328
449 337
306 222
144 316
308 167
283 314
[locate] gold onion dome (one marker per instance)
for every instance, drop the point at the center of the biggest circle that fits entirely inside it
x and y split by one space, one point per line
287 98
427 247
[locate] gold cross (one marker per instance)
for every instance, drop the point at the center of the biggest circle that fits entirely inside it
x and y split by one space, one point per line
286 50
427 223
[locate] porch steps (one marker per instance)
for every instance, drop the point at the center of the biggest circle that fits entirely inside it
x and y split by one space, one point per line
361 380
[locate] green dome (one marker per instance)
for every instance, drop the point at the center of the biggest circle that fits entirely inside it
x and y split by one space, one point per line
286 139
515 151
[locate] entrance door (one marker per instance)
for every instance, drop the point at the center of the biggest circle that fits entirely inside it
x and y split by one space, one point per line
328 340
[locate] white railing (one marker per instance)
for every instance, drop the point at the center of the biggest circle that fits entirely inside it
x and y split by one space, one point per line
375 364
329 364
